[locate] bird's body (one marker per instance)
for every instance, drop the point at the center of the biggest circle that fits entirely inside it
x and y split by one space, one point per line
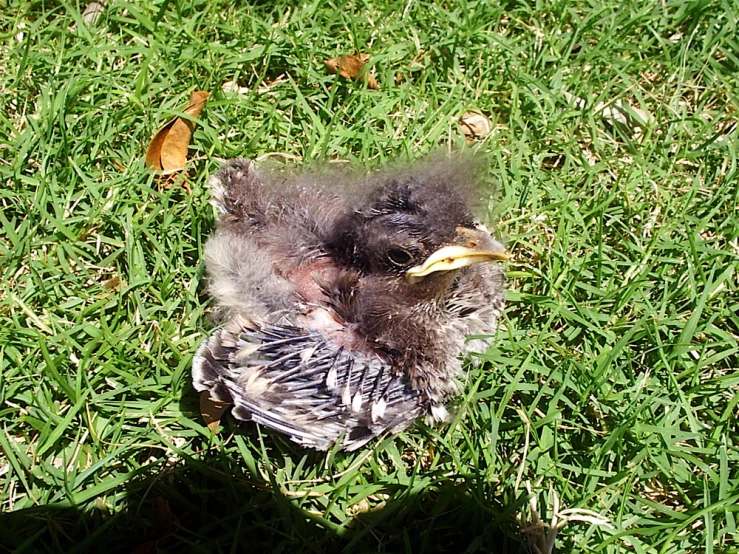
345 309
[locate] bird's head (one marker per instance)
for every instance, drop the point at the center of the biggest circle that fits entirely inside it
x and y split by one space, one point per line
414 233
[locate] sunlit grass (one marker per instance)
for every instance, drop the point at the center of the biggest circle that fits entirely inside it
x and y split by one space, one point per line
612 386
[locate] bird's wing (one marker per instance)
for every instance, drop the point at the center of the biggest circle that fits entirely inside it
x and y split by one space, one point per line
298 382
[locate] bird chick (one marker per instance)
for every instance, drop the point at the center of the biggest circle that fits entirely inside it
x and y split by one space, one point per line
345 308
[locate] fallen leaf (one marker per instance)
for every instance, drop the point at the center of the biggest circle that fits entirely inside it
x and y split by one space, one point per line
164 518
351 67
164 525
90 16
232 88
617 113
112 283
474 125
168 149
361 507
211 410
92 12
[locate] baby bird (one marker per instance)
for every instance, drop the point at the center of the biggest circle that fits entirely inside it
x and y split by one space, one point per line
345 308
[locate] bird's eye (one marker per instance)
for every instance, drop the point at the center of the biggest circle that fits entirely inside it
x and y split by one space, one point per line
399 256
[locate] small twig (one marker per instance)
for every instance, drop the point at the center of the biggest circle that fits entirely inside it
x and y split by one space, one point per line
527 439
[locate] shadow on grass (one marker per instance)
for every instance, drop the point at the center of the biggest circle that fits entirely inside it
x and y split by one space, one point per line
210 502
206 505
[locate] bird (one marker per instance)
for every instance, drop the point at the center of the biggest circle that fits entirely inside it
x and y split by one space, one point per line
345 299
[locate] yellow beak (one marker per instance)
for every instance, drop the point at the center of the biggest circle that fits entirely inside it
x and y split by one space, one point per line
478 247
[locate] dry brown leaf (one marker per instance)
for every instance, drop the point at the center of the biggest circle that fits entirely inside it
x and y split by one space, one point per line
351 68
112 283
475 125
211 410
164 517
165 522
168 149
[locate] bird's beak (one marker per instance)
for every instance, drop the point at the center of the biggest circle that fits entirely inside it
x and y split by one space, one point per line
476 246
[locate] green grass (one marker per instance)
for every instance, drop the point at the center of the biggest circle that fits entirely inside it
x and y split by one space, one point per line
613 383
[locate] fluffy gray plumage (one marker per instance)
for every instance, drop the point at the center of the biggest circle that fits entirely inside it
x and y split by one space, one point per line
345 307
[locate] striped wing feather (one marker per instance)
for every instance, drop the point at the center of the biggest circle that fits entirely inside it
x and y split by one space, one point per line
297 382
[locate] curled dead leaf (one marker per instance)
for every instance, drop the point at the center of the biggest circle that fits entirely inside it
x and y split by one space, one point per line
168 149
474 125
351 67
211 410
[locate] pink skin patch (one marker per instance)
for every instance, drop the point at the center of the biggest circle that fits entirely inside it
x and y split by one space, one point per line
307 275
318 315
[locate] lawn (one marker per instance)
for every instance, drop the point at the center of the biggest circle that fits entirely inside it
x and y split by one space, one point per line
612 386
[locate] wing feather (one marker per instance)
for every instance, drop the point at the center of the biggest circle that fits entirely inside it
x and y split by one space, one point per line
299 383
